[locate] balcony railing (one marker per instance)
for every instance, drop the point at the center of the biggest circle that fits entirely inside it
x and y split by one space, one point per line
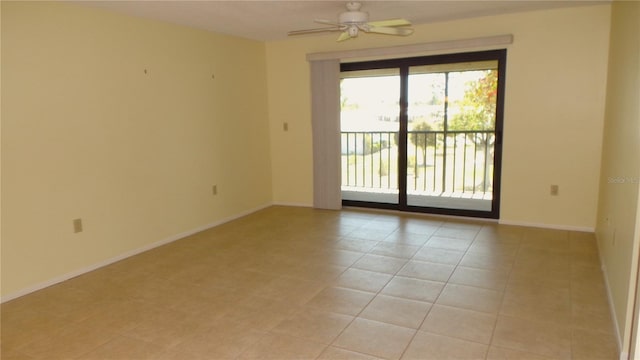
438 162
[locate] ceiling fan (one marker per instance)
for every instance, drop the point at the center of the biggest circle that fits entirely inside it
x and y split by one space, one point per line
352 21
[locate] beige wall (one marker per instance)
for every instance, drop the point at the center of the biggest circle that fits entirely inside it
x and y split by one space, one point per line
618 221
87 134
556 76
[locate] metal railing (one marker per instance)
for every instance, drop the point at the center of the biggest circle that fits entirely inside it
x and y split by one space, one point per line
437 161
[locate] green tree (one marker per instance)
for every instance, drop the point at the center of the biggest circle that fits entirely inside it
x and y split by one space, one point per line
478 105
420 138
478 112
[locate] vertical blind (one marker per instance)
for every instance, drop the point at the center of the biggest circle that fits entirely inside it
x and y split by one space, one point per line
325 123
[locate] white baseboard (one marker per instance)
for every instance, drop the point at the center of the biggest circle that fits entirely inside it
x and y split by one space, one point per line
75 273
547 226
277 203
623 355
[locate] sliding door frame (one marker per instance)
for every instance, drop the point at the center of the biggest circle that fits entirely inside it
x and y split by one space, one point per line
404 65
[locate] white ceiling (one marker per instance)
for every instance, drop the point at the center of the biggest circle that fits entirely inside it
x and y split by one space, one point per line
270 20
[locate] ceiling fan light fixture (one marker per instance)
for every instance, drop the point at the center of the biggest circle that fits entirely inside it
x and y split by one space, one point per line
353 31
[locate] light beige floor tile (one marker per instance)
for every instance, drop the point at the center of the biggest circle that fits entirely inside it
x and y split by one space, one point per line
123 347
220 342
488 279
258 314
534 337
543 260
449 243
125 315
539 278
375 338
504 233
497 353
238 280
458 232
426 346
546 239
396 311
472 298
384 221
585 259
371 234
395 250
501 248
407 238
318 326
590 319
427 271
342 301
14 355
334 353
172 354
461 223
379 263
317 272
593 345
363 280
71 341
167 329
22 326
541 304
361 245
460 323
591 273
63 300
210 303
426 226
541 233
289 289
491 261
414 289
439 256
582 242
337 257
589 296
274 346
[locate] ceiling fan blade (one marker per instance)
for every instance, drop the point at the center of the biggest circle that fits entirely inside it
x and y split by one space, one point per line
312 31
390 30
344 36
390 22
327 22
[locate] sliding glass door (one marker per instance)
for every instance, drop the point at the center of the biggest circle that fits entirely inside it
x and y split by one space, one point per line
369 131
423 134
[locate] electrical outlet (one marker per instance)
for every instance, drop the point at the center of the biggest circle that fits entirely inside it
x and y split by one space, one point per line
555 189
214 189
77 225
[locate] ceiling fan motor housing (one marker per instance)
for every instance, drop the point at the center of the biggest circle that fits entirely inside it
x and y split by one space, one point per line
353 17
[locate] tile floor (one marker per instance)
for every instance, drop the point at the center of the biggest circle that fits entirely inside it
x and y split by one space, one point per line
297 283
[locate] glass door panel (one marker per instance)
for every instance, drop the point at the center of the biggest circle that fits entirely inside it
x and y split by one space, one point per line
369 118
451 135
